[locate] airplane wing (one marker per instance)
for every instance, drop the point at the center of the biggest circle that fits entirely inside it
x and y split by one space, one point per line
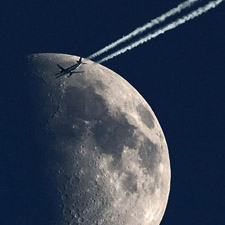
60 67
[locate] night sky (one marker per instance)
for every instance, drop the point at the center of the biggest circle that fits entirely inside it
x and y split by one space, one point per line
181 74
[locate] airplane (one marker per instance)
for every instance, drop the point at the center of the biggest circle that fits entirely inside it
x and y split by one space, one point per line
69 70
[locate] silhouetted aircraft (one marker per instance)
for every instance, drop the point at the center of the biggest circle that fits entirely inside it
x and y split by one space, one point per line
69 70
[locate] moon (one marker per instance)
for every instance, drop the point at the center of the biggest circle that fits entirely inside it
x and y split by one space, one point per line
103 155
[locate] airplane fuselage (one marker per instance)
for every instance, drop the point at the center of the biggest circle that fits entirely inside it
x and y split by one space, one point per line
73 67
68 70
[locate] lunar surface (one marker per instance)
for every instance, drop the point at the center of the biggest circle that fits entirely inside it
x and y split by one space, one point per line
103 155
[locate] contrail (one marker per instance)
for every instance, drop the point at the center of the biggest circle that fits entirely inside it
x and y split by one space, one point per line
168 27
149 25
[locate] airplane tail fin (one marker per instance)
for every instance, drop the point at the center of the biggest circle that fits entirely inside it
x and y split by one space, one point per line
60 67
80 60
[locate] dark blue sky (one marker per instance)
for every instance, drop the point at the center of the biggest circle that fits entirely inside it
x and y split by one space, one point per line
181 74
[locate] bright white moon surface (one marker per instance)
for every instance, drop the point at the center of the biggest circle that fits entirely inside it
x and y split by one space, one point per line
104 157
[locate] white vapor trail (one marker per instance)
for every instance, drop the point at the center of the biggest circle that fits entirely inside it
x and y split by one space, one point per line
149 25
162 30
